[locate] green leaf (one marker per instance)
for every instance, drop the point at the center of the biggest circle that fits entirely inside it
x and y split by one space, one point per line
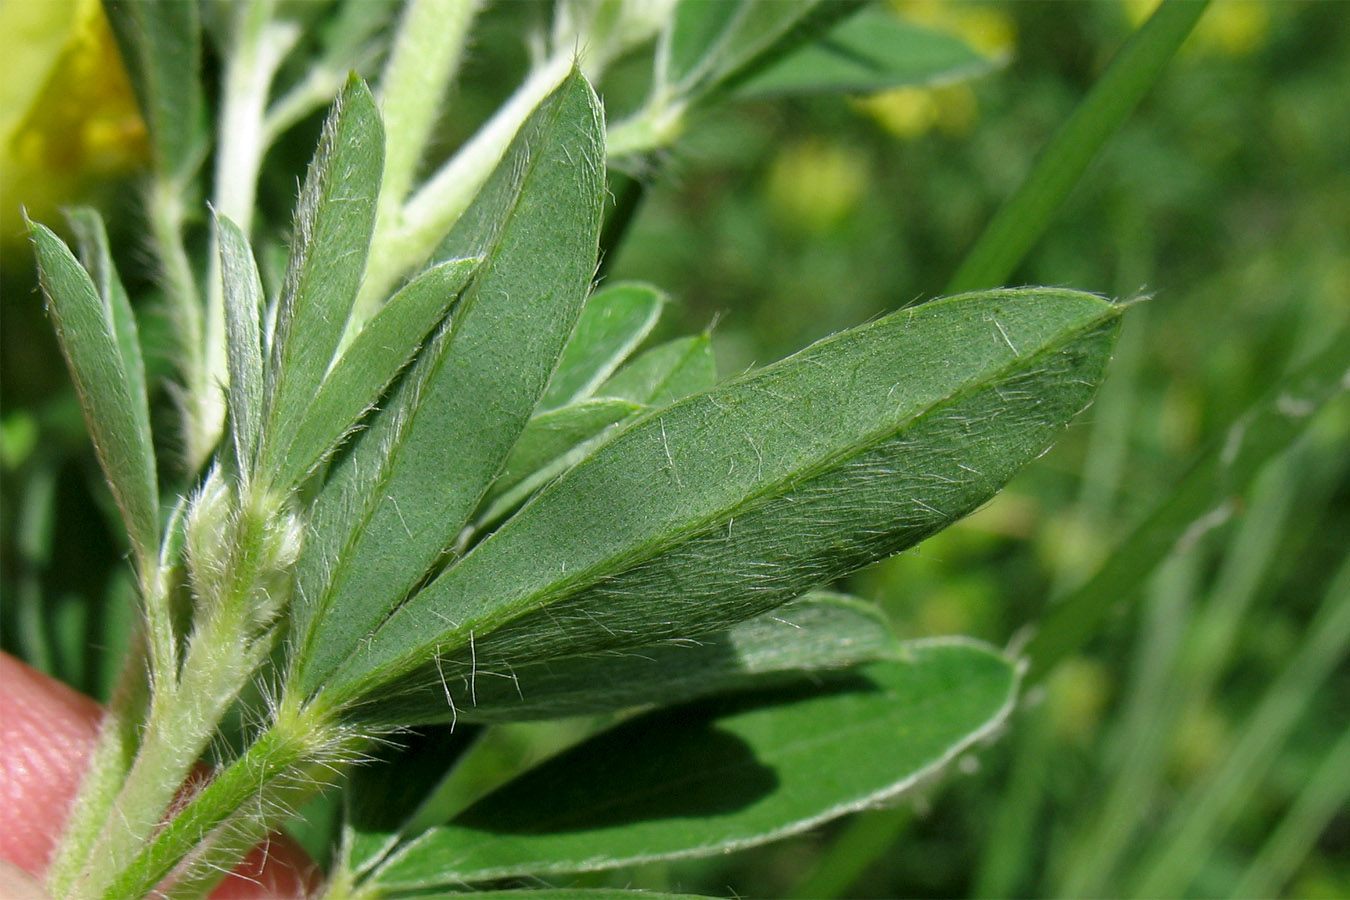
93 329
664 374
817 633
244 301
724 774
385 795
551 434
870 51
161 44
369 365
411 482
713 50
91 244
736 500
331 236
611 326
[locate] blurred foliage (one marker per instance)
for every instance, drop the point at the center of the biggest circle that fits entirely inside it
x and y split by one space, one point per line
1226 197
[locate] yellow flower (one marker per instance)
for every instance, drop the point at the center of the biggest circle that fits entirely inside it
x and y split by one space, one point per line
68 115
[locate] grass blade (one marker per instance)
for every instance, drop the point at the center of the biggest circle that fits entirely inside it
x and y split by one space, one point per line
1203 497
1210 805
1028 212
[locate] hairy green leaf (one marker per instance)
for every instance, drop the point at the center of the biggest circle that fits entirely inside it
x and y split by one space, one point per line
611 326
723 774
369 365
551 434
870 51
400 497
664 374
712 49
738 499
161 44
93 328
819 632
244 300
331 236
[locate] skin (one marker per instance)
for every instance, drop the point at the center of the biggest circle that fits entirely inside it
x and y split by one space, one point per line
47 731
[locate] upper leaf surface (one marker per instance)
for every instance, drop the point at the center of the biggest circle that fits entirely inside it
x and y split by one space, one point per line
92 330
666 373
612 325
331 237
725 774
410 484
737 499
871 51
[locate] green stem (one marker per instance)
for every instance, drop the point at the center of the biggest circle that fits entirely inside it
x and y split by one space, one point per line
226 648
259 46
276 752
1028 213
434 207
109 763
164 207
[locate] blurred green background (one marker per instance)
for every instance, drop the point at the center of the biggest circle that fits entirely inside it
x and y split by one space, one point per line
1199 747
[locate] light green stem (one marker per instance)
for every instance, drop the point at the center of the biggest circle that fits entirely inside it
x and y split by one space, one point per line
435 206
111 759
246 799
225 650
260 44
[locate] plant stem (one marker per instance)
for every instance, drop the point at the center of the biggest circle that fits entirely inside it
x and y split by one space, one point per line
164 208
1028 212
281 761
426 54
118 740
226 647
433 208
259 45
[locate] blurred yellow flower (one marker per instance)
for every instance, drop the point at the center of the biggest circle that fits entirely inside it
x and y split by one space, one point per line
986 28
67 111
812 185
913 111
1228 27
